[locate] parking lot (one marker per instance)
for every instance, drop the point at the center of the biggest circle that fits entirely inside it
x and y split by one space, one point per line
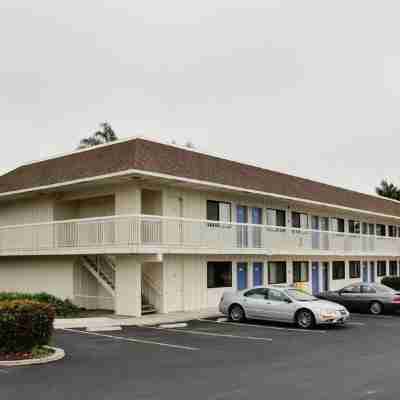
219 360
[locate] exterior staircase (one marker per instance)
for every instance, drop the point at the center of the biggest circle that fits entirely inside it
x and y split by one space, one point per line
103 269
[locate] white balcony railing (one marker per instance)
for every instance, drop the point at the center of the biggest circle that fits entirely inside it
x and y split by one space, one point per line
133 232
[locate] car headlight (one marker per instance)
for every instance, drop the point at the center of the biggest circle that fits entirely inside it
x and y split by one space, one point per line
328 313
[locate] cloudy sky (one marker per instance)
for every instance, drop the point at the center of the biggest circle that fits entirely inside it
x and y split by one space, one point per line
307 87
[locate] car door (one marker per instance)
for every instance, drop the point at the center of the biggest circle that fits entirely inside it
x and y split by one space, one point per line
254 301
278 306
368 295
351 297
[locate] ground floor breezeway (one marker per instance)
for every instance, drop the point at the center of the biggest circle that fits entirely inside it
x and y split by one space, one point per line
132 284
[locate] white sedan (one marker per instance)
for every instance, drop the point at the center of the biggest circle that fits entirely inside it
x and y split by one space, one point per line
284 304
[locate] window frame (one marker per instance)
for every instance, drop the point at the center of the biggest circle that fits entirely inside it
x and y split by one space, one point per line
229 266
379 264
357 273
218 221
298 276
278 263
335 276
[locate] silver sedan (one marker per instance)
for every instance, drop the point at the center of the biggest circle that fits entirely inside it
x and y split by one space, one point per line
284 304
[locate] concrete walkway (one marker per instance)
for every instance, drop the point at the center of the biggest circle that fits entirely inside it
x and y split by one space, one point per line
150 319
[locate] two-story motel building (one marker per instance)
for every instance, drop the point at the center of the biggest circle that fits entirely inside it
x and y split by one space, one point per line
138 221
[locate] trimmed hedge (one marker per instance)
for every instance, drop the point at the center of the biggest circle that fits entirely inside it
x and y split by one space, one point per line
25 325
62 308
391 281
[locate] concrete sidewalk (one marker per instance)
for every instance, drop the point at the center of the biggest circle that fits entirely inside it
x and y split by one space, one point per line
150 319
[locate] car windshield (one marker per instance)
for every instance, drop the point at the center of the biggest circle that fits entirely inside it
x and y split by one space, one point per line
300 295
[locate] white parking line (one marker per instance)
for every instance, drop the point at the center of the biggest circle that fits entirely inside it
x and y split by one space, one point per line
356 323
3 371
278 328
174 346
191 332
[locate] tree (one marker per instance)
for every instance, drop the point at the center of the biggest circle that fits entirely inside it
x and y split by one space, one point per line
386 189
104 135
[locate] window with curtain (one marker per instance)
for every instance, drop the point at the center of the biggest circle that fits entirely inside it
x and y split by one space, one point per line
219 274
300 271
219 211
355 269
381 268
276 272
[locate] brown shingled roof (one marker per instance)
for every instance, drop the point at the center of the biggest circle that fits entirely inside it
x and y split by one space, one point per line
151 156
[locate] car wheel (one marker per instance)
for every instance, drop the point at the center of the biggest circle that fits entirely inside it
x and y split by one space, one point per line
236 313
375 308
305 319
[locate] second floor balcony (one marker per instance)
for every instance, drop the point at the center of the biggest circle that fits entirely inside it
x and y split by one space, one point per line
157 235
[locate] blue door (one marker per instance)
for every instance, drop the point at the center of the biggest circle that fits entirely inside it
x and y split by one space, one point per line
256 219
372 271
241 217
315 277
365 272
258 274
241 276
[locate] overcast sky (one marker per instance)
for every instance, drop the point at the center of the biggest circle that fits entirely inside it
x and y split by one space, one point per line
311 88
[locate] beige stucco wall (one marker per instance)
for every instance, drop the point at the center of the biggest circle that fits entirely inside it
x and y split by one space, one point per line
53 275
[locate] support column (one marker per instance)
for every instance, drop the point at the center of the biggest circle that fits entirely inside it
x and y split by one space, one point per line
289 272
128 286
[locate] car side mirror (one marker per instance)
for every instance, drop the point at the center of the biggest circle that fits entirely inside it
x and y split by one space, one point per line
287 301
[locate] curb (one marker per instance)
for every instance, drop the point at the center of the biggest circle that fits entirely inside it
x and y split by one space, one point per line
58 355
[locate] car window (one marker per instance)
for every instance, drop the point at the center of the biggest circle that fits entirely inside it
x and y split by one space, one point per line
276 295
259 293
352 289
367 289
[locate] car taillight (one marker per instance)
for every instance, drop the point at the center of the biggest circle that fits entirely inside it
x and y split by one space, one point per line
396 300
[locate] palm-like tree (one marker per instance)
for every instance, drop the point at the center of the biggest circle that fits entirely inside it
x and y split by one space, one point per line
104 135
389 190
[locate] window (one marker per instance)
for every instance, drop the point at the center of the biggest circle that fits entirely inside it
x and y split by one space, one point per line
218 211
300 271
338 270
355 269
392 267
219 274
352 289
367 289
257 293
299 220
337 224
381 268
324 224
371 229
354 226
276 295
276 217
380 230
277 272
392 231
364 228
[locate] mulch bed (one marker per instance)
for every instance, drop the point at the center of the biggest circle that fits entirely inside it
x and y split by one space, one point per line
15 356
21 356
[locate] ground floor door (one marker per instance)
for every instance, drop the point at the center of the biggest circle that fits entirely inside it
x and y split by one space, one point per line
258 272
315 277
241 276
325 276
372 271
365 272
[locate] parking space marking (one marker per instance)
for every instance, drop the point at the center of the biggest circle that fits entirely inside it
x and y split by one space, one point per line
356 323
142 341
191 332
278 328
3 371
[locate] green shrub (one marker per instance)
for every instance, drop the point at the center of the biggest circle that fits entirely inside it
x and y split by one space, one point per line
25 325
62 308
391 281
